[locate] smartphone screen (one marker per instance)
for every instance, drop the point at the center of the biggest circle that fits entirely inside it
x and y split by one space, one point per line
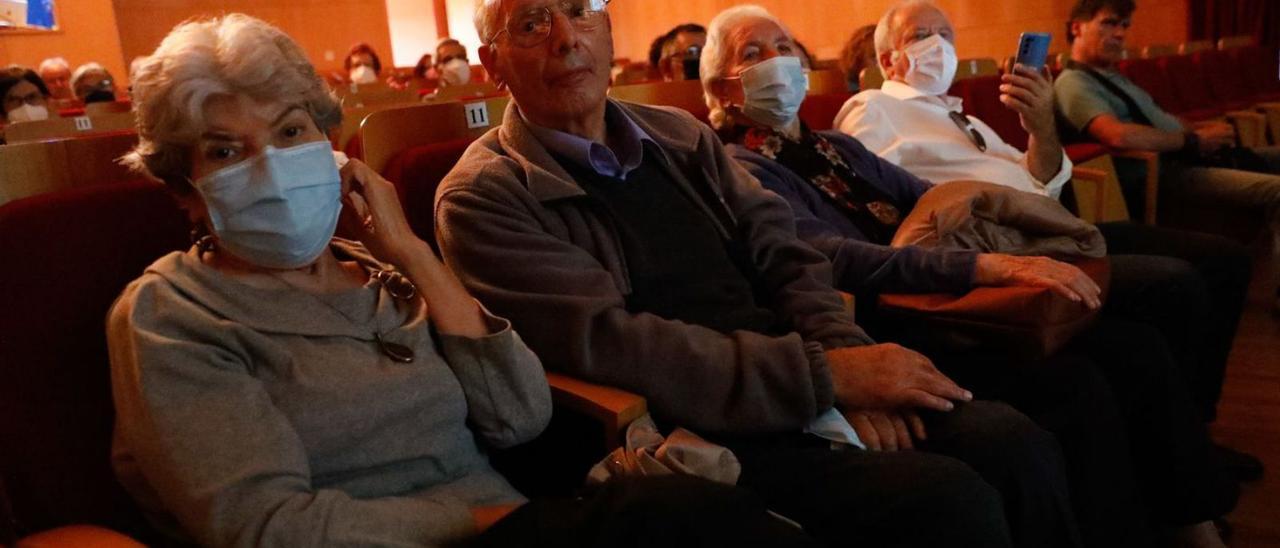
1033 49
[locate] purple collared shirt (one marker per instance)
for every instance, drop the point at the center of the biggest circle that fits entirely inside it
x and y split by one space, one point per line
617 164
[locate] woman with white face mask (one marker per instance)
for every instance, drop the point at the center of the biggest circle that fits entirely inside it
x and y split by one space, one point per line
363 65
278 385
26 98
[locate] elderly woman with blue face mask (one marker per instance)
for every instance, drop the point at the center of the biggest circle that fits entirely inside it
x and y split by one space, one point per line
277 385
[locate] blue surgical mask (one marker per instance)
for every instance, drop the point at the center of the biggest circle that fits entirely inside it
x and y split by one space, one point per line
773 91
278 209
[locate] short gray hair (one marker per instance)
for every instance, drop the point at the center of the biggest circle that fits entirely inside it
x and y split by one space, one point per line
83 71
488 13
54 63
885 29
714 63
233 54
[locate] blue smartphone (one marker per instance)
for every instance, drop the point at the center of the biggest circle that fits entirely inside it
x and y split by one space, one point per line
1033 50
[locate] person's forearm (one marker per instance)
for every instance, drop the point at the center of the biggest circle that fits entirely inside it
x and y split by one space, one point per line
1139 137
1044 156
451 308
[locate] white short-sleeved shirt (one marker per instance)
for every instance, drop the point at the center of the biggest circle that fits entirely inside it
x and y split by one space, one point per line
915 131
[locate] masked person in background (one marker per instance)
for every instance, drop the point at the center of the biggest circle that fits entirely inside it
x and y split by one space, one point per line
25 96
675 55
362 65
92 83
452 64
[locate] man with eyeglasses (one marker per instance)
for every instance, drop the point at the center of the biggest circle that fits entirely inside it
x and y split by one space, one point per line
630 250
674 55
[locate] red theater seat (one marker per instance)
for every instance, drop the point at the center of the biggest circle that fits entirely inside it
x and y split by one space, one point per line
417 173
1225 81
1260 67
66 256
1192 88
819 111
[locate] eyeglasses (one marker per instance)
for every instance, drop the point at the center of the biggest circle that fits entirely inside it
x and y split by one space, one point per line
532 27
966 126
34 99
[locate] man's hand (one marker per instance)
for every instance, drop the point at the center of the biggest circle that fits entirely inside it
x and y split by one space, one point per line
888 376
995 269
1215 136
882 430
1030 94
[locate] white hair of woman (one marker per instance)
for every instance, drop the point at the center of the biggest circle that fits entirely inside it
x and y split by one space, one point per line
85 70
53 63
886 29
233 54
718 52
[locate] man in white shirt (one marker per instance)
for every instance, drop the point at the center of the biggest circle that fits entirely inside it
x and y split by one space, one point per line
911 121
914 124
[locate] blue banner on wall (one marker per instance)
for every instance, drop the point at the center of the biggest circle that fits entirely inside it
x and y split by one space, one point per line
40 13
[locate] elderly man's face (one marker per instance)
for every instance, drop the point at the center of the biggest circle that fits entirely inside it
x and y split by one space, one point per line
58 80
566 76
913 24
1102 38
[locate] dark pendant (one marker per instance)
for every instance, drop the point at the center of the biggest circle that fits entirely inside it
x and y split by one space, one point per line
397 352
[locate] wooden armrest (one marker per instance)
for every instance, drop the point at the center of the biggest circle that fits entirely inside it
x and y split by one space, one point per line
78 536
1099 179
1153 178
1272 113
1251 127
612 407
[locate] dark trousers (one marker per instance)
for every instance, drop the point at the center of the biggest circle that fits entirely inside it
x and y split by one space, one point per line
1189 285
949 492
650 512
1070 397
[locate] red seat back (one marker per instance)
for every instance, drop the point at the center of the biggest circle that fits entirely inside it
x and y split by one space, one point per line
66 256
1260 68
819 111
417 173
1225 80
1191 86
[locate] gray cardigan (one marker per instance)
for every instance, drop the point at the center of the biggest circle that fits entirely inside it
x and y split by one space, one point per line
262 416
526 241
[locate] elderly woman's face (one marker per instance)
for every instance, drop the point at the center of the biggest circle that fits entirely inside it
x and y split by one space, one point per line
361 60
753 42
567 74
23 93
238 128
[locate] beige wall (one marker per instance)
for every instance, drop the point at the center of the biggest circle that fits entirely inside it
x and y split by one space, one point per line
324 28
87 33
413 30
985 28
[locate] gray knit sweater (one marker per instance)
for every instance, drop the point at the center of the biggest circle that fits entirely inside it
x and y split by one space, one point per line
250 416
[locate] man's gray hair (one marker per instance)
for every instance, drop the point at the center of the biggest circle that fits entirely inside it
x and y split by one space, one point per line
230 55
86 70
715 61
488 19
885 29
54 63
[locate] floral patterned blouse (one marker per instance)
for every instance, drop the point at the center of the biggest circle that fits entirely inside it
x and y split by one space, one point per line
818 162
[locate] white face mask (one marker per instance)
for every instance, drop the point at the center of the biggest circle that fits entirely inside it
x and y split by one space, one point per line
456 72
28 113
932 65
363 74
773 91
